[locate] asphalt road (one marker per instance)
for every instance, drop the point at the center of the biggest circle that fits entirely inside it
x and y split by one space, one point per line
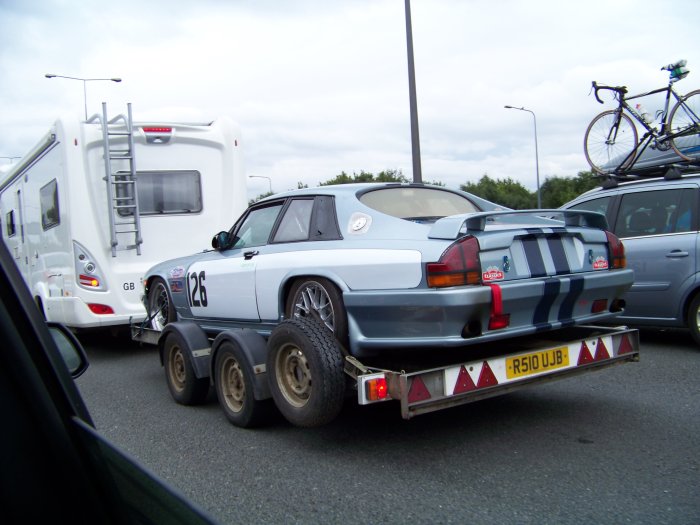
615 446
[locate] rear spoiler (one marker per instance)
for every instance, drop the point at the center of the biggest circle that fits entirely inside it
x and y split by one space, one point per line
455 226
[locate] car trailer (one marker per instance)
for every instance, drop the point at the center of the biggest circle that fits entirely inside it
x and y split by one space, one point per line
302 369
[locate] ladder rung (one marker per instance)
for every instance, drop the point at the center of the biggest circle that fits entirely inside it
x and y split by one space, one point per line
127 181
118 133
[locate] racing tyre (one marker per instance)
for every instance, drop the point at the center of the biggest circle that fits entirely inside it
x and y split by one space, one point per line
608 141
694 319
160 305
185 387
318 298
305 370
233 382
684 121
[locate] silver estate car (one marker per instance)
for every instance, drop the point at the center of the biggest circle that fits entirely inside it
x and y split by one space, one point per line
658 221
389 266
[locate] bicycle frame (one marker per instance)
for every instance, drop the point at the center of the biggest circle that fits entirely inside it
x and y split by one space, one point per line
663 113
660 136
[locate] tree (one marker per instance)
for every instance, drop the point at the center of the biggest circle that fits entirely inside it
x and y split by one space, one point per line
365 176
505 192
560 190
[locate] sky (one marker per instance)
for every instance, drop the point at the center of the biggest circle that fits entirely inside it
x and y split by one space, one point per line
320 87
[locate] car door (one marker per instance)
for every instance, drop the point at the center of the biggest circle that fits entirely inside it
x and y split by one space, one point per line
223 286
659 230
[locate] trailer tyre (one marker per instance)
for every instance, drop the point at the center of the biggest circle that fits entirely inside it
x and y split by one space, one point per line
305 370
185 387
234 388
160 305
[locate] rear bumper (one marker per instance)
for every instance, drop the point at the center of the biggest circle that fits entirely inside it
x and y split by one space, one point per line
457 317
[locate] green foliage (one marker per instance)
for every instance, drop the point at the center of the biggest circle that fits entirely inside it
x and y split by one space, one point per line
505 192
554 192
365 176
260 197
559 190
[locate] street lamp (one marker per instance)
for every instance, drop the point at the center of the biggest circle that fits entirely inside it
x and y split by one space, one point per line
269 180
84 81
537 160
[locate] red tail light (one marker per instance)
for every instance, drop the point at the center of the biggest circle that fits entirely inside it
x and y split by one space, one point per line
616 251
100 309
376 389
458 265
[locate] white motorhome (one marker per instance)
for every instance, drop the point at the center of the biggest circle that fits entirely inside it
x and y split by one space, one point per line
96 203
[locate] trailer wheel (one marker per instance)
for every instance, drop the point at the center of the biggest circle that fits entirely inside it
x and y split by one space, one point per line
160 305
185 387
305 370
234 388
318 298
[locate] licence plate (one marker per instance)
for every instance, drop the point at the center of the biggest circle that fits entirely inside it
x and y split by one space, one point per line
537 362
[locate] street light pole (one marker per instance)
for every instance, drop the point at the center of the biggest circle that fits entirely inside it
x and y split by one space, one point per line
537 160
84 81
415 138
269 180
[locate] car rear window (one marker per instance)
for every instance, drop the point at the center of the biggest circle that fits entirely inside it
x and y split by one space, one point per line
417 203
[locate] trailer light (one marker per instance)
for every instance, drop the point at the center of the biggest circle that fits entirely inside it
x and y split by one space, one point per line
599 305
100 309
157 129
87 280
376 389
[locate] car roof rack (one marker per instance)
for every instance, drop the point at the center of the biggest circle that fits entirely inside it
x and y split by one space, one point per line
670 171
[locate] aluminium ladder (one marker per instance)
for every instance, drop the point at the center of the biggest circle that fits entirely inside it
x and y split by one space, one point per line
124 216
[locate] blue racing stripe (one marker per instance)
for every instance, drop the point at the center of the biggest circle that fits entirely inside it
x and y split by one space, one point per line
556 249
550 293
566 311
533 255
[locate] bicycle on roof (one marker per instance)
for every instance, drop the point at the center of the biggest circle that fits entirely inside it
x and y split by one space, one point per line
612 144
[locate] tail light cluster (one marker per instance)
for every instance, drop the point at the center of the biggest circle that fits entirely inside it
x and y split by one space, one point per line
88 272
458 265
616 251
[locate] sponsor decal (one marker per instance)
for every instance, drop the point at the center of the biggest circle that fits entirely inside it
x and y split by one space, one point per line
601 263
492 273
177 285
359 223
177 273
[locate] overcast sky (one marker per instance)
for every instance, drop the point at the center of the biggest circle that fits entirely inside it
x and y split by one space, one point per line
321 86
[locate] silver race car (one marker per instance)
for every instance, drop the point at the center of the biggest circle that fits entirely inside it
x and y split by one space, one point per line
396 266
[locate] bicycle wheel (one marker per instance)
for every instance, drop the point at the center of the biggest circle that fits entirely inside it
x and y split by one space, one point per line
684 124
610 141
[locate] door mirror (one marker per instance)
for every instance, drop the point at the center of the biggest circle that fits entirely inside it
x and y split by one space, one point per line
220 241
70 349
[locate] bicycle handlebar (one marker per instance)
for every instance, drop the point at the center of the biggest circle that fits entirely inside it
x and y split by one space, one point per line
671 67
621 90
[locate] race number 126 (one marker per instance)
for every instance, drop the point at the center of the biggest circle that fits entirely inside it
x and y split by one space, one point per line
196 292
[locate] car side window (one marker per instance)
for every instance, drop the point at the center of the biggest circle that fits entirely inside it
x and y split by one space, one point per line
294 225
654 213
600 205
256 227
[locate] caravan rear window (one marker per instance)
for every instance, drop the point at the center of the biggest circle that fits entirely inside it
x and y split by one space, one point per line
167 192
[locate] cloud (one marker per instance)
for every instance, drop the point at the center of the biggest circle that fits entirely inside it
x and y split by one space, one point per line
321 87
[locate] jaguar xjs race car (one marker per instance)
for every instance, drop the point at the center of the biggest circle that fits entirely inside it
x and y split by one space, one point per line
396 266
